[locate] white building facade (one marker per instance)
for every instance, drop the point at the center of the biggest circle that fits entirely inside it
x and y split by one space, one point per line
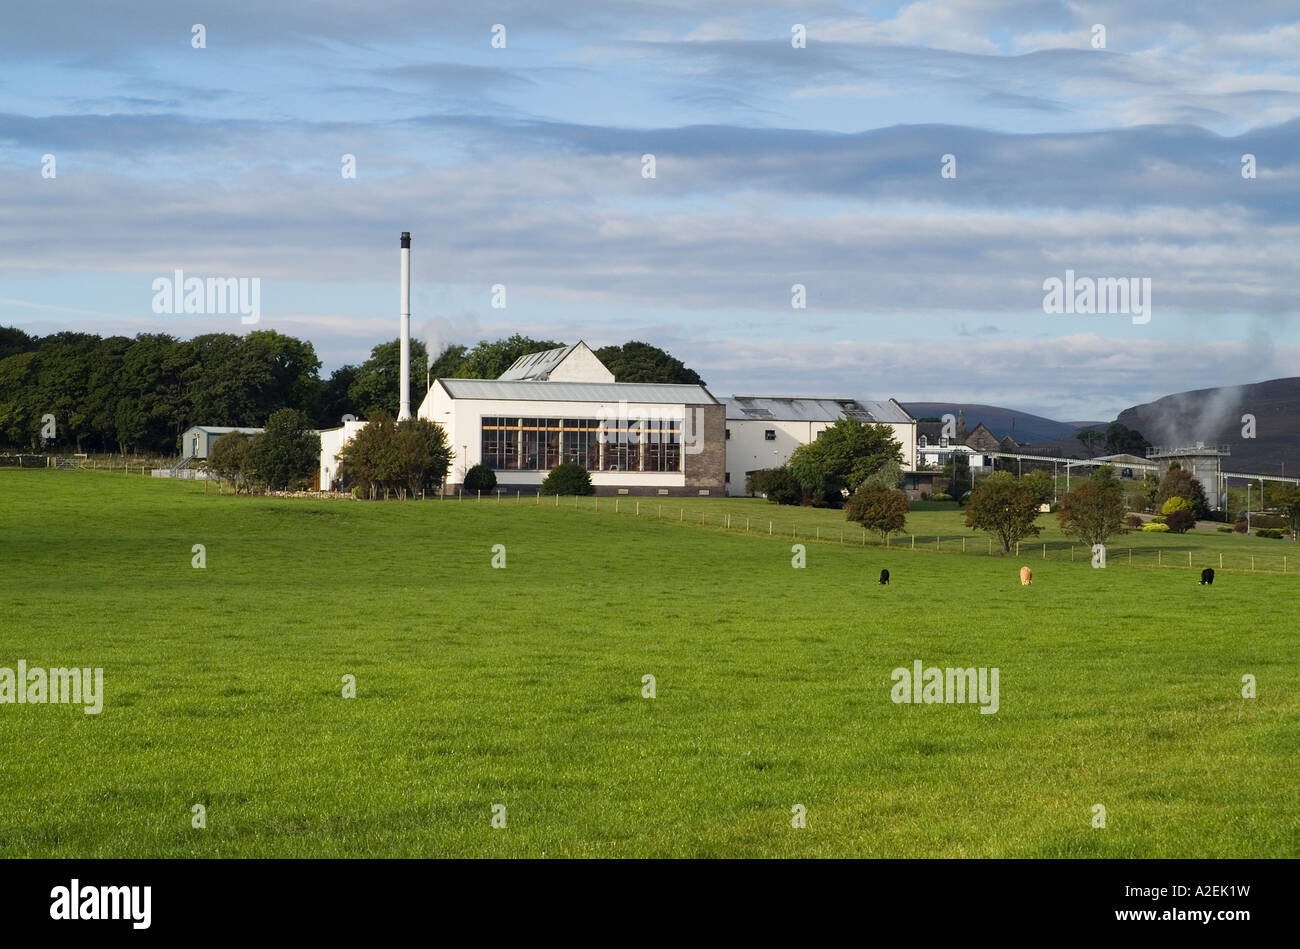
563 405
764 431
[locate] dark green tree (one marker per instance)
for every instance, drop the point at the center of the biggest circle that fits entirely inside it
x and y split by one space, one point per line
480 478
641 362
286 451
488 360
1094 510
1003 507
878 508
228 459
568 478
378 379
841 458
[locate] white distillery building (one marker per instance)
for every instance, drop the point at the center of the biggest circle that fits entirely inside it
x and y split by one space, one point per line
563 405
763 431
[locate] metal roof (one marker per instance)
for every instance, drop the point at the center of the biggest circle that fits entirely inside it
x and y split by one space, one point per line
221 429
535 390
776 408
537 365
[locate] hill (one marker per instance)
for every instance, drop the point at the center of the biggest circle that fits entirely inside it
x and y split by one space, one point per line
1214 416
1023 426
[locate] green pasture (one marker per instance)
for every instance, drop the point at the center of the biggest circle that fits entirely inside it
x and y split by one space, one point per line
523 686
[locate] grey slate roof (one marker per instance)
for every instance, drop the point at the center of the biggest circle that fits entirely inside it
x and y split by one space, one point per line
799 409
532 390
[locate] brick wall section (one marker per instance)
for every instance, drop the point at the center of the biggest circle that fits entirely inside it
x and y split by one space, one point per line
708 469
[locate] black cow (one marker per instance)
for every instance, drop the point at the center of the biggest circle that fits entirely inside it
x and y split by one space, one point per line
1207 577
884 578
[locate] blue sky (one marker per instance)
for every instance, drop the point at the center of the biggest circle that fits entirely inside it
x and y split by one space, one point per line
774 166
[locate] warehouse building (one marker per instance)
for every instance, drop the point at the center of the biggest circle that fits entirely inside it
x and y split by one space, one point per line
763 431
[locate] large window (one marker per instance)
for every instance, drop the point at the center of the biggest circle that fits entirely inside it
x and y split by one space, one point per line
539 444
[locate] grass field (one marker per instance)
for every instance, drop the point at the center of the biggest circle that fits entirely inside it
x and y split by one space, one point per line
523 686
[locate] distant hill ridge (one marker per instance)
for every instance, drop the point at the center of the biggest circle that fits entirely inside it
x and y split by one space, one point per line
1213 416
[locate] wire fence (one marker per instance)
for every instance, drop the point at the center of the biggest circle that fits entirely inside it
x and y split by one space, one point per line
129 464
1165 555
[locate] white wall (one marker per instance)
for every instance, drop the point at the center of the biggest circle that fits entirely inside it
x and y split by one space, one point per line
749 450
331 442
581 365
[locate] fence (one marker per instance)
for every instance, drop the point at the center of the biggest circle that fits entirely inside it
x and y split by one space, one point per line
973 544
129 464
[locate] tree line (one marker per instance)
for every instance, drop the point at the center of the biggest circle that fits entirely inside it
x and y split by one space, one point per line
121 394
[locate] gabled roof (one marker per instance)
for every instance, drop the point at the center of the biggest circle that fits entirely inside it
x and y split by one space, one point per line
537 365
222 429
536 390
778 408
981 439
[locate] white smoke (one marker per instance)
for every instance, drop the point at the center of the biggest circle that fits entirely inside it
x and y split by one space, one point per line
441 333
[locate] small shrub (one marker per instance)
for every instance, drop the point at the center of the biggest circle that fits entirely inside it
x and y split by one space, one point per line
1224 530
1133 521
480 478
941 496
1241 527
1270 533
568 478
776 484
1154 528
1158 519
1180 521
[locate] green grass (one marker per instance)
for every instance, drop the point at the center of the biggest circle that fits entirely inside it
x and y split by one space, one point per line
522 686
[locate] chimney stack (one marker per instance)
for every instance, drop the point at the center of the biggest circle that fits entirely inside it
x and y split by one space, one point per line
404 408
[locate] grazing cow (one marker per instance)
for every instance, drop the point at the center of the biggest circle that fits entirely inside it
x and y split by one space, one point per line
1207 577
1026 576
884 578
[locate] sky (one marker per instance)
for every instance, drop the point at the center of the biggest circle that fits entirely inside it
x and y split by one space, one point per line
509 139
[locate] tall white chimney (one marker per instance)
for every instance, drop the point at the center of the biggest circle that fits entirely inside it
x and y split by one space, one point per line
404 409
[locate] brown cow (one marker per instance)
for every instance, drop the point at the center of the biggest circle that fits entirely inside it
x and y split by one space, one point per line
1026 576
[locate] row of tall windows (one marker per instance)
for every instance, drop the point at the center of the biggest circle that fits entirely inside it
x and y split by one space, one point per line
539 444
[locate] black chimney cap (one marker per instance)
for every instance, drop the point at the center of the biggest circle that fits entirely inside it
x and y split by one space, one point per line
406 238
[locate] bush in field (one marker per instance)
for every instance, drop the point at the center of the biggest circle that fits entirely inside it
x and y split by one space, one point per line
1040 485
480 478
1270 533
941 496
1003 507
1175 504
1224 530
1241 527
1178 482
1154 528
228 459
568 478
286 451
1180 522
1133 521
877 508
776 484
403 457
1094 511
